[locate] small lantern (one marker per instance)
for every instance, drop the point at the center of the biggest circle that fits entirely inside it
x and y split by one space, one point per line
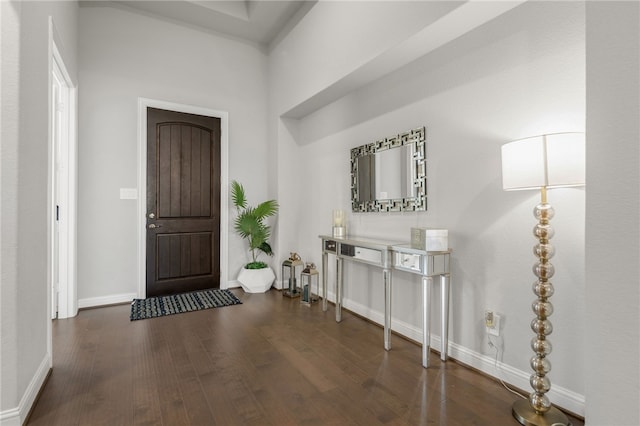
289 274
309 278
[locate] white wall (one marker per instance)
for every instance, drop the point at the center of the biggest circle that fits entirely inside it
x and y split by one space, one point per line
613 212
521 74
25 170
124 56
9 123
336 38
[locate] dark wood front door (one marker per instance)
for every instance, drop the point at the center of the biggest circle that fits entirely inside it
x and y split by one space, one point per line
183 202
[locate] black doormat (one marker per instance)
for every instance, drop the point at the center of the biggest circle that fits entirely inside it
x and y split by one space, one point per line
178 303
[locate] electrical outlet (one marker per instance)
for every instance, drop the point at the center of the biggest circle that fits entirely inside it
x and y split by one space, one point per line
492 322
488 319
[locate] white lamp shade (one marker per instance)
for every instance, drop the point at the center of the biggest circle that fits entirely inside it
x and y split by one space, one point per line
549 161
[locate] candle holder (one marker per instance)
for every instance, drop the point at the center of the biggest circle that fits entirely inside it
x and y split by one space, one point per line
339 224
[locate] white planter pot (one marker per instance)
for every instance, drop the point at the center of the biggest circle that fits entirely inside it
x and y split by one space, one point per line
256 280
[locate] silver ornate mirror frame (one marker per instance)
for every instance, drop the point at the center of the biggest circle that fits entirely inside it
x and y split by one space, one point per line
418 167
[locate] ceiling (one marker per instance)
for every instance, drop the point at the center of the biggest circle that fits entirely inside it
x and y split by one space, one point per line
265 22
262 22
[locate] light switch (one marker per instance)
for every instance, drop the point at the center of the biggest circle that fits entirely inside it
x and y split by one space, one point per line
128 193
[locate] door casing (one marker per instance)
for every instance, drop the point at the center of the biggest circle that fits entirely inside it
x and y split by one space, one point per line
63 192
143 104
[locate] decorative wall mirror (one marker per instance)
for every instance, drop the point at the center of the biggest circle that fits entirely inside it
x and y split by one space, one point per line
390 175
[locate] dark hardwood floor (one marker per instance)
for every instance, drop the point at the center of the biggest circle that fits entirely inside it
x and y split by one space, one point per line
269 361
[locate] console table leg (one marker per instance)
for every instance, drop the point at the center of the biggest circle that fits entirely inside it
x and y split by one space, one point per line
426 319
339 284
386 274
324 281
444 289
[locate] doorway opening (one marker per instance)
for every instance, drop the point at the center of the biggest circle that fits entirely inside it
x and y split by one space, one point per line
62 187
144 218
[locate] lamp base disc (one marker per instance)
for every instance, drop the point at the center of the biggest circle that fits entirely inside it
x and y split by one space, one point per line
526 415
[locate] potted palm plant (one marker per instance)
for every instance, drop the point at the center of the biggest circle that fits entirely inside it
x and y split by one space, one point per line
256 276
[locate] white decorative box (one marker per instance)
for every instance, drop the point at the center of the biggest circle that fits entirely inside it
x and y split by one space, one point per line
430 239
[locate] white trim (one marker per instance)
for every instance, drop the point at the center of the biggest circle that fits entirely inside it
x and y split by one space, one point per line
143 103
112 299
16 416
70 308
233 284
67 292
562 397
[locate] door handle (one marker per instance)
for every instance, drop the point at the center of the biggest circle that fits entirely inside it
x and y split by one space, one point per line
154 226
151 215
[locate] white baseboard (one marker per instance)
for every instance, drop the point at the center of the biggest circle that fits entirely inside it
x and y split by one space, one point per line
92 302
106 300
562 397
232 284
16 416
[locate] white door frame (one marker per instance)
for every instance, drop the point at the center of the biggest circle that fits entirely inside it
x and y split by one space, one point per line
143 104
62 184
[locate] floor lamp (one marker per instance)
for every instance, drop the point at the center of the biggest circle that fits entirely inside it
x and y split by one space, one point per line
542 162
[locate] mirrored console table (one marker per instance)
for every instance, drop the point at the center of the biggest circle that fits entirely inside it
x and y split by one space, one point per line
428 264
389 256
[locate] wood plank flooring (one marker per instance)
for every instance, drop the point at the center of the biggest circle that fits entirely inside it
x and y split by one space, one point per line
269 361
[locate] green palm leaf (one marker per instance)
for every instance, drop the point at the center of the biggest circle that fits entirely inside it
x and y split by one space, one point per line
266 209
237 195
249 223
266 248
